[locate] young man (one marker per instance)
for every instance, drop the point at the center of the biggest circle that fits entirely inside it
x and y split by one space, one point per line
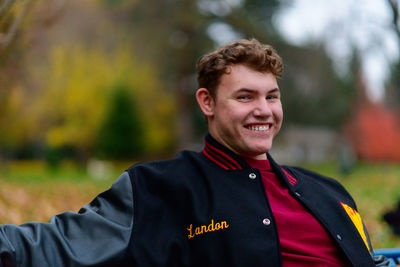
228 205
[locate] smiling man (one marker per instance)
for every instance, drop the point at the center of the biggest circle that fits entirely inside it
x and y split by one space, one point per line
246 112
229 205
307 222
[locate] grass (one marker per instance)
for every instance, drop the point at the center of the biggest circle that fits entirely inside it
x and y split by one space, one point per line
30 191
376 189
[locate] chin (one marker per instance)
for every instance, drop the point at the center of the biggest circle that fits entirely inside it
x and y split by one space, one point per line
261 149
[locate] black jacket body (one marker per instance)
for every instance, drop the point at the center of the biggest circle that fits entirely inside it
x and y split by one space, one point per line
199 209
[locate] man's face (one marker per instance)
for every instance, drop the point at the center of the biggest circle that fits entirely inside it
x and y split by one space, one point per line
246 112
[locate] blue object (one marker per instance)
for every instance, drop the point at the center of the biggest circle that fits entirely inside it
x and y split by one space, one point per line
393 254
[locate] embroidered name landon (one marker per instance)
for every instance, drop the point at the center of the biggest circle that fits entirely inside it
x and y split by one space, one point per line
206 228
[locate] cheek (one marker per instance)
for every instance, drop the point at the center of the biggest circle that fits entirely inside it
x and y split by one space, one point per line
278 113
232 112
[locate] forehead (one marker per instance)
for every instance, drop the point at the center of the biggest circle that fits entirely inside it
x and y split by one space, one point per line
240 77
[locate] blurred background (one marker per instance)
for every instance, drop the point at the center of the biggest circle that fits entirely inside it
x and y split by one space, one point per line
88 88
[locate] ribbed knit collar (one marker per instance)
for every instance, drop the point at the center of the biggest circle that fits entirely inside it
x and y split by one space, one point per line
228 160
222 156
261 164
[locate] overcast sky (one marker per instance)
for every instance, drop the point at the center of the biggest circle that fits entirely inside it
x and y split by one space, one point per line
343 24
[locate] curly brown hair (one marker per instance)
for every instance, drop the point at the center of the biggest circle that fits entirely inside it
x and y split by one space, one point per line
251 53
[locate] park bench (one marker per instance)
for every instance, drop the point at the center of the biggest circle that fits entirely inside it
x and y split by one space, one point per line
393 254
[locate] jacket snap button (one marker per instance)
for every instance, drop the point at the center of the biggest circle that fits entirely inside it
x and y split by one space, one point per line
266 221
252 176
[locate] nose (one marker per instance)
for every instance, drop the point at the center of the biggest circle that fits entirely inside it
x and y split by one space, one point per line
262 109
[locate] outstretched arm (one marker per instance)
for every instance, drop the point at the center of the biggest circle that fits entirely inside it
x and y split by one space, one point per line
98 234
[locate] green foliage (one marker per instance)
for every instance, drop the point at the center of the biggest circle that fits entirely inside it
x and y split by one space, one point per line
121 133
71 105
54 94
14 120
176 33
375 188
55 155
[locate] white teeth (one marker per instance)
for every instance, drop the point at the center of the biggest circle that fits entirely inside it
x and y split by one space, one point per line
259 128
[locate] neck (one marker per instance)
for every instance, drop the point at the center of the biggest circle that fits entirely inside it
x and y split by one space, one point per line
260 157
221 141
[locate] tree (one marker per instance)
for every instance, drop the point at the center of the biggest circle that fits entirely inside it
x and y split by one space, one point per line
65 78
393 86
121 132
176 32
58 87
312 92
17 16
71 105
395 8
12 14
20 24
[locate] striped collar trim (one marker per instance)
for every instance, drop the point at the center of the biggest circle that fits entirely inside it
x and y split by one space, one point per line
222 156
292 181
280 171
228 160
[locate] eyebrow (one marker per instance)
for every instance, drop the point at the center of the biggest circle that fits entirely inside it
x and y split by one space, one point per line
274 90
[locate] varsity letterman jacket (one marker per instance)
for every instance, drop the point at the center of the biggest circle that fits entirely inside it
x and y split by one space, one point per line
199 209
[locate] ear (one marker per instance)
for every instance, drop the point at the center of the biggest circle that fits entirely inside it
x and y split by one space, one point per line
205 101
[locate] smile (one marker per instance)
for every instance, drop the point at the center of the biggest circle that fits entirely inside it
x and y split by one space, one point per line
258 128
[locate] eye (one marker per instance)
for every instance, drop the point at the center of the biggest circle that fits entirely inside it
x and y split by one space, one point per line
244 97
272 97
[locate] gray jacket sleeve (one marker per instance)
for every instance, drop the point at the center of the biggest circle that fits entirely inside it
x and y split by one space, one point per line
98 235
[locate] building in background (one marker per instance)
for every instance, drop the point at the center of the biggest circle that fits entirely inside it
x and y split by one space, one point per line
373 129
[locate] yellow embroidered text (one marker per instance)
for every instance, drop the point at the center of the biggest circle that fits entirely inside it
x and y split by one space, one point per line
206 228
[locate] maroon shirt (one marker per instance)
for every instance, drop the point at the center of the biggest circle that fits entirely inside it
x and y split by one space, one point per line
304 241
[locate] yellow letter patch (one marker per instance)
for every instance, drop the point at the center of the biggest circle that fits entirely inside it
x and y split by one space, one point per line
356 219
